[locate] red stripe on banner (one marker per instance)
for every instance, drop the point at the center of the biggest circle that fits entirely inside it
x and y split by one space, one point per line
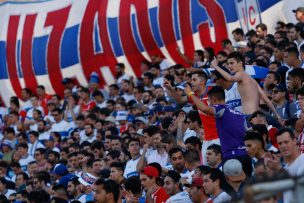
143 24
217 15
130 48
56 19
167 30
185 27
26 52
89 60
11 54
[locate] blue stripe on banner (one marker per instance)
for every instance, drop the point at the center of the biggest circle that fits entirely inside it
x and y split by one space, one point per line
39 55
19 58
153 13
69 47
136 33
24 2
97 42
3 64
197 19
230 10
176 20
264 5
114 36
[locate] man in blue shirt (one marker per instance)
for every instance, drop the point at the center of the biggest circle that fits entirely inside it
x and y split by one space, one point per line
231 127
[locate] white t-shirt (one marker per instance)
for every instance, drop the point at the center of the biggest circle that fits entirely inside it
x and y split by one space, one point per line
130 169
29 114
181 197
233 97
62 127
294 169
32 147
9 192
25 161
155 157
222 197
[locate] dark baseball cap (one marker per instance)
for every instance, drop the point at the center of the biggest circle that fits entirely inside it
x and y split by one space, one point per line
299 9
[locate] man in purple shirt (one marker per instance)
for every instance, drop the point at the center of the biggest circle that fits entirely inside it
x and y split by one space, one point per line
231 128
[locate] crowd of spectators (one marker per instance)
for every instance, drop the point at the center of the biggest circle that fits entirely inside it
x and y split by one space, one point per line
200 133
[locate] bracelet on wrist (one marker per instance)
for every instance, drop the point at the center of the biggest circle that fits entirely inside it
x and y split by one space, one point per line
190 93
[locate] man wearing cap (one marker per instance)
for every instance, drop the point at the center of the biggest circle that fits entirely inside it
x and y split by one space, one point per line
62 174
299 13
197 192
154 193
173 188
235 176
7 150
284 108
69 84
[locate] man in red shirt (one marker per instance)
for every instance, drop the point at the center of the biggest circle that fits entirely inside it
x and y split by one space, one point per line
87 104
43 98
198 84
154 193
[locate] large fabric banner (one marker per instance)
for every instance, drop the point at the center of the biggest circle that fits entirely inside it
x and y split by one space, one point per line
43 41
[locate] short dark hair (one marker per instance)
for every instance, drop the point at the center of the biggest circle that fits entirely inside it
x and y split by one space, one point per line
201 74
237 56
262 26
238 31
191 156
119 165
293 50
193 140
300 91
215 174
252 135
215 148
133 139
297 73
133 184
193 115
114 154
110 186
217 92
175 150
284 130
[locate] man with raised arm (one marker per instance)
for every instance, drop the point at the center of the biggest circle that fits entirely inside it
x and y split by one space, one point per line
249 89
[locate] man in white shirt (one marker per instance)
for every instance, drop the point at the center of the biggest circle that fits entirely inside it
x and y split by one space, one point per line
133 148
159 154
3 189
89 133
173 188
60 125
25 158
34 142
213 181
120 73
291 155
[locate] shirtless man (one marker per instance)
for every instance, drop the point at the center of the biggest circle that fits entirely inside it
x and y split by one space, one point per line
248 88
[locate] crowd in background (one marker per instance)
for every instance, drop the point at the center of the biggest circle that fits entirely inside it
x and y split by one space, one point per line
200 133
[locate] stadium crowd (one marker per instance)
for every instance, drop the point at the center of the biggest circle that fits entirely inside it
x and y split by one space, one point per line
201 133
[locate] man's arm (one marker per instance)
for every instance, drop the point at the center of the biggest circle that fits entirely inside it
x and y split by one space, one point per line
199 104
172 92
236 78
267 101
142 162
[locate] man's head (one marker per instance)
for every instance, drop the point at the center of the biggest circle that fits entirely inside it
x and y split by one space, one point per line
238 34
134 146
254 143
300 98
148 177
74 187
236 62
279 93
117 170
171 183
291 55
106 191
192 120
213 181
198 80
261 30
287 143
216 95
22 149
177 159
299 14
214 155
233 171
296 79
57 114
196 190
